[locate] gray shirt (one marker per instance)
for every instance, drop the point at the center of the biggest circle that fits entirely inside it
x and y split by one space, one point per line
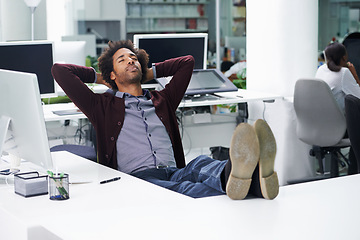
143 141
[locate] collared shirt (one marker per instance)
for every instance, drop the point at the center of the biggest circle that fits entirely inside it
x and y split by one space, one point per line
143 141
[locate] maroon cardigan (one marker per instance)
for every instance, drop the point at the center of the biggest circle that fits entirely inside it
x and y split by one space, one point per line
106 112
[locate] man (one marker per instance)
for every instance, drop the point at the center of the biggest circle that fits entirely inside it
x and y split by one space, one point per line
137 130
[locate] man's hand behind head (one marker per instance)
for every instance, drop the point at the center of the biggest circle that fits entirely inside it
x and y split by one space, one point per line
100 80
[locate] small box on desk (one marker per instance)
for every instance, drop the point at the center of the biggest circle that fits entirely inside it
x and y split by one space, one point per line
30 184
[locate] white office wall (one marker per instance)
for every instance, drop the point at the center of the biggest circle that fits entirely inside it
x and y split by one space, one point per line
282 46
281 43
57 19
15 23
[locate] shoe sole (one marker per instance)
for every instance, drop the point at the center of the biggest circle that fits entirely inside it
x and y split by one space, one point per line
269 182
244 156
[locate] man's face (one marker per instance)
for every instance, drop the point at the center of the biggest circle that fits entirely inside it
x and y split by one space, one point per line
127 69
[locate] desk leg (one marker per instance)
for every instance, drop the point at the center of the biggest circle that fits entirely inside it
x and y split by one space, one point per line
243 113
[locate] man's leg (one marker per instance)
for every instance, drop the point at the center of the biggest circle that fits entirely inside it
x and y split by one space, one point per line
204 173
199 178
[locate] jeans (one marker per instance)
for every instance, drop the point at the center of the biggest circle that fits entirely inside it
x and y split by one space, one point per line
199 178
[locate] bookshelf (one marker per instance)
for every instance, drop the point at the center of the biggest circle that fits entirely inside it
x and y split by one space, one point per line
166 16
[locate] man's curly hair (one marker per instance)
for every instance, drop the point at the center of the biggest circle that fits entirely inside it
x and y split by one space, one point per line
106 60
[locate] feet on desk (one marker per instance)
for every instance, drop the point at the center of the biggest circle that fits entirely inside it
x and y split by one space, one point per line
269 183
251 147
244 156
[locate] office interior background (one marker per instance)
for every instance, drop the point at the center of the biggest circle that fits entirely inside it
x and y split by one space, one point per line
283 41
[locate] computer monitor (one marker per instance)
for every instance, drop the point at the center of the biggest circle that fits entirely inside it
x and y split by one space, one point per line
204 82
72 52
31 57
161 47
90 39
22 125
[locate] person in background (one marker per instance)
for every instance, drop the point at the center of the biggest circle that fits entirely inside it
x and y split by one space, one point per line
137 130
342 79
339 74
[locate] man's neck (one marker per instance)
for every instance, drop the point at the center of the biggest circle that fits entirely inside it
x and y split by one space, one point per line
133 89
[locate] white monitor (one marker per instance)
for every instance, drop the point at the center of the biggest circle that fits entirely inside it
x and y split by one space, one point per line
22 124
161 47
72 52
90 39
31 57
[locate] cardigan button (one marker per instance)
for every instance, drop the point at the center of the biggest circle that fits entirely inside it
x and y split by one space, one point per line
112 138
119 123
106 156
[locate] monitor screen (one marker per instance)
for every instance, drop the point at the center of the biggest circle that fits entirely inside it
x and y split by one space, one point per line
90 39
72 52
22 131
31 57
206 81
161 47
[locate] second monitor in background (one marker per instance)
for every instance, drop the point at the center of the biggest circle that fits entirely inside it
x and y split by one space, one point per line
72 52
161 47
31 57
90 39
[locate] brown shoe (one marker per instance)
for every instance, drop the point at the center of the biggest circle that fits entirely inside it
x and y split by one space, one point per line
244 156
269 182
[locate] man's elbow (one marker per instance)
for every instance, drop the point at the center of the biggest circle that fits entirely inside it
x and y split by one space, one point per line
190 59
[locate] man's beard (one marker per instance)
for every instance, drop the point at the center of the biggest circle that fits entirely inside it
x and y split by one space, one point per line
130 78
136 79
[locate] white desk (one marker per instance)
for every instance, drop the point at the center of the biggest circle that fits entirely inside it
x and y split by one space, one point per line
240 96
196 136
212 133
134 209
49 114
227 98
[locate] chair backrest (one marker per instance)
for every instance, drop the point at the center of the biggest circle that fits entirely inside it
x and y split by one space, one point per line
352 111
320 121
352 44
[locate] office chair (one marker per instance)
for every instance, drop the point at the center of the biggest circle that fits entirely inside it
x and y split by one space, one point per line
320 122
352 45
352 111
88 152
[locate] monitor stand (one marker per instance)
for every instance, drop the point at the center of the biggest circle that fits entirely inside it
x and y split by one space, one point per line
4 126
202 97
7 143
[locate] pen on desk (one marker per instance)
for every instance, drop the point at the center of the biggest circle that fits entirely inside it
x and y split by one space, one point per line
110 180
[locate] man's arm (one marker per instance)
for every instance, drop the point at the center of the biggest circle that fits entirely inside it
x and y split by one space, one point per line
71 79
180 69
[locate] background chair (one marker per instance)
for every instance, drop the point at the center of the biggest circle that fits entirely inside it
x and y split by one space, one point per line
88 152
352 111
352 44
320 122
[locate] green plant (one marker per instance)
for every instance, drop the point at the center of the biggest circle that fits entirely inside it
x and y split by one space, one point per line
92 62
241 81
